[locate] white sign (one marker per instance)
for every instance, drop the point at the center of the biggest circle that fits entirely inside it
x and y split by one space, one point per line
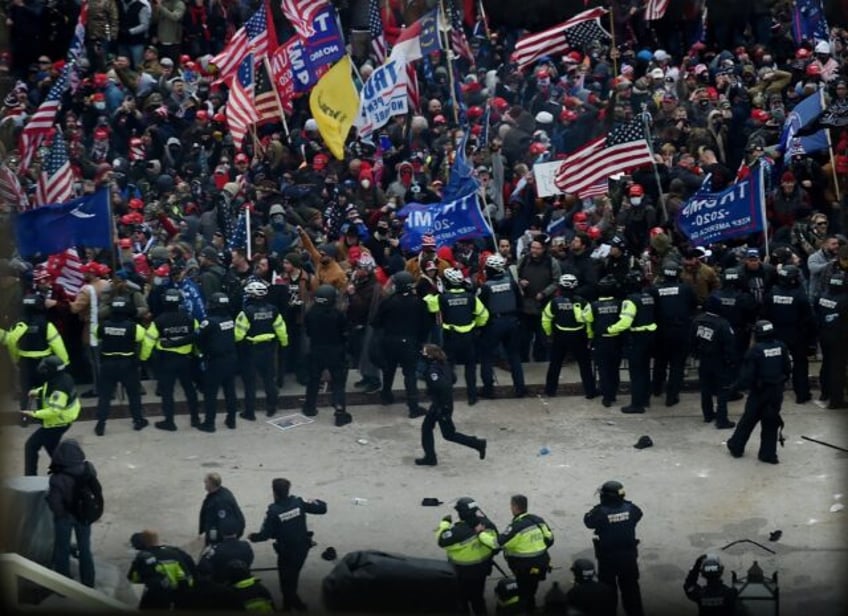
383 96
545 174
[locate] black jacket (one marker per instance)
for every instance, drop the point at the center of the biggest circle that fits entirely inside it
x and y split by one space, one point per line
285 522
217 506
67 466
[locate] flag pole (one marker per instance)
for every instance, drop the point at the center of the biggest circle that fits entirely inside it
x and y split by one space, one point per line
830 151
445 41
650 141
280 110
485 20
247 236
762 204
613 49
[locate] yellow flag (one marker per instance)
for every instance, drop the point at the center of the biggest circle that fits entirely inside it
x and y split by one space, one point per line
334 103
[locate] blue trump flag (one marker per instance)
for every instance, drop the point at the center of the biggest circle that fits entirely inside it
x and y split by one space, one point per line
739 210
801 116
808 21
51 229
448 222
461 181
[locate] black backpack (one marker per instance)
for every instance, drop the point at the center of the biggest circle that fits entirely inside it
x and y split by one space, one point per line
231 287
88 497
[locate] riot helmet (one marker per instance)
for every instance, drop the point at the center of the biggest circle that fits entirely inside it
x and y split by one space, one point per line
763 330
172 299
711 567
568 282
583 570
404 282
325 295
49 366
789 275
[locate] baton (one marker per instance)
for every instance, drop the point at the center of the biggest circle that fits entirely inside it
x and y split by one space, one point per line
812 440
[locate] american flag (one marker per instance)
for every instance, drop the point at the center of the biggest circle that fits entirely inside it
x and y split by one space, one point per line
625 147
253 37
11 191
656 9
42 120
56 181
241 112
378 35
267 103
578 31
457 36
412 87
301 14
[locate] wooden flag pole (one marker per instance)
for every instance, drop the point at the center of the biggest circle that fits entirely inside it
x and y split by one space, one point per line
830 151
445 41
613 48
649 139
280 109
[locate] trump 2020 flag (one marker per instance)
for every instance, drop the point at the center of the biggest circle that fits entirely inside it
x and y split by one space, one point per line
51 229
448 222
334 103
383 96
801 116
808 21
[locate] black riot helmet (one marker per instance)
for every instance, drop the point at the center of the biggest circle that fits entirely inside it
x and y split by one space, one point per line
711 567
611 492
172 299
789 276
467 509
837 283
325 295
634 281
50 366
607 286
121 307
403 282
730 278
671 271
33 304
583 570
218 302
763 330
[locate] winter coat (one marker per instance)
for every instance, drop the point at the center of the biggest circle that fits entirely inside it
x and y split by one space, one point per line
67 465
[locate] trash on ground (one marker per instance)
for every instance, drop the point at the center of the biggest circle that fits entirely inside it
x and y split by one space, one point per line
776 535
288 422
360 501
544 451
836 507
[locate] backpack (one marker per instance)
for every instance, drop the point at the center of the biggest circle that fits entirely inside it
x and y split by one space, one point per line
88 497
231 287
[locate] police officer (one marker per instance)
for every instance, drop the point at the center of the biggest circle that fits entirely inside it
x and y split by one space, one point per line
676 304
501 296
257 325
638 319
285 522
470 543
739 307
562 321
440 378
831 310
401 325
462 313
120 340
614 521
167 572
248 594
712 342
588 596
215 558
766 367
58 408
600 315
172 334
216 341
715 598
326 327
525 543
788 308
30 340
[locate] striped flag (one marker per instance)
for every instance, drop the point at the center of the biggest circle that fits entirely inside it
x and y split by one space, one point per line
11 191
253 37
241 112
378 35
457 36
656 9
301 14
56 181
77 47
412 88
266 101
625 147
576 32
42 120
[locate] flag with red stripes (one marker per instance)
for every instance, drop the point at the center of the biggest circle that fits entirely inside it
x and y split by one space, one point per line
301 14
252 38
265 96
241 112
459 42
11 191
56 180
577 32
624 148
42 120
378 34
412 88
656 9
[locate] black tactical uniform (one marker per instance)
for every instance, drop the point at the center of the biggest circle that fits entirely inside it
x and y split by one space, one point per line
120 342
168 574
440 379
712 342
601 315
589 596
285 522
831 310
501 296
765 369
525 543
172 334
215 558
562 321
614 521
401 325
676 304
788 307
326 327
216 341
715 598
739 308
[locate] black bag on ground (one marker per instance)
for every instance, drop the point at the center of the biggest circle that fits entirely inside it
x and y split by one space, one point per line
372 581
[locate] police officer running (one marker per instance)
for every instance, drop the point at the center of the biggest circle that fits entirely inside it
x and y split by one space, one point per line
401 325
440 379
589 596
562 321
502 297
29 341
712 342
766 367
638 319
600 316
326 327
58 408
470 544
120 339
257 325
216 341
831 310
285 522
525 543
172 334
614 521
715 598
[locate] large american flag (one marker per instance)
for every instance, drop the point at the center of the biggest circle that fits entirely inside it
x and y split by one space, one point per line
56 181
42 120
253 37
624 148
301 14
656 9
576 32
241 112
266 101
378 35
457 35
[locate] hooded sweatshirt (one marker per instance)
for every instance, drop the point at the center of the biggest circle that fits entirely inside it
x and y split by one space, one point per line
67 465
